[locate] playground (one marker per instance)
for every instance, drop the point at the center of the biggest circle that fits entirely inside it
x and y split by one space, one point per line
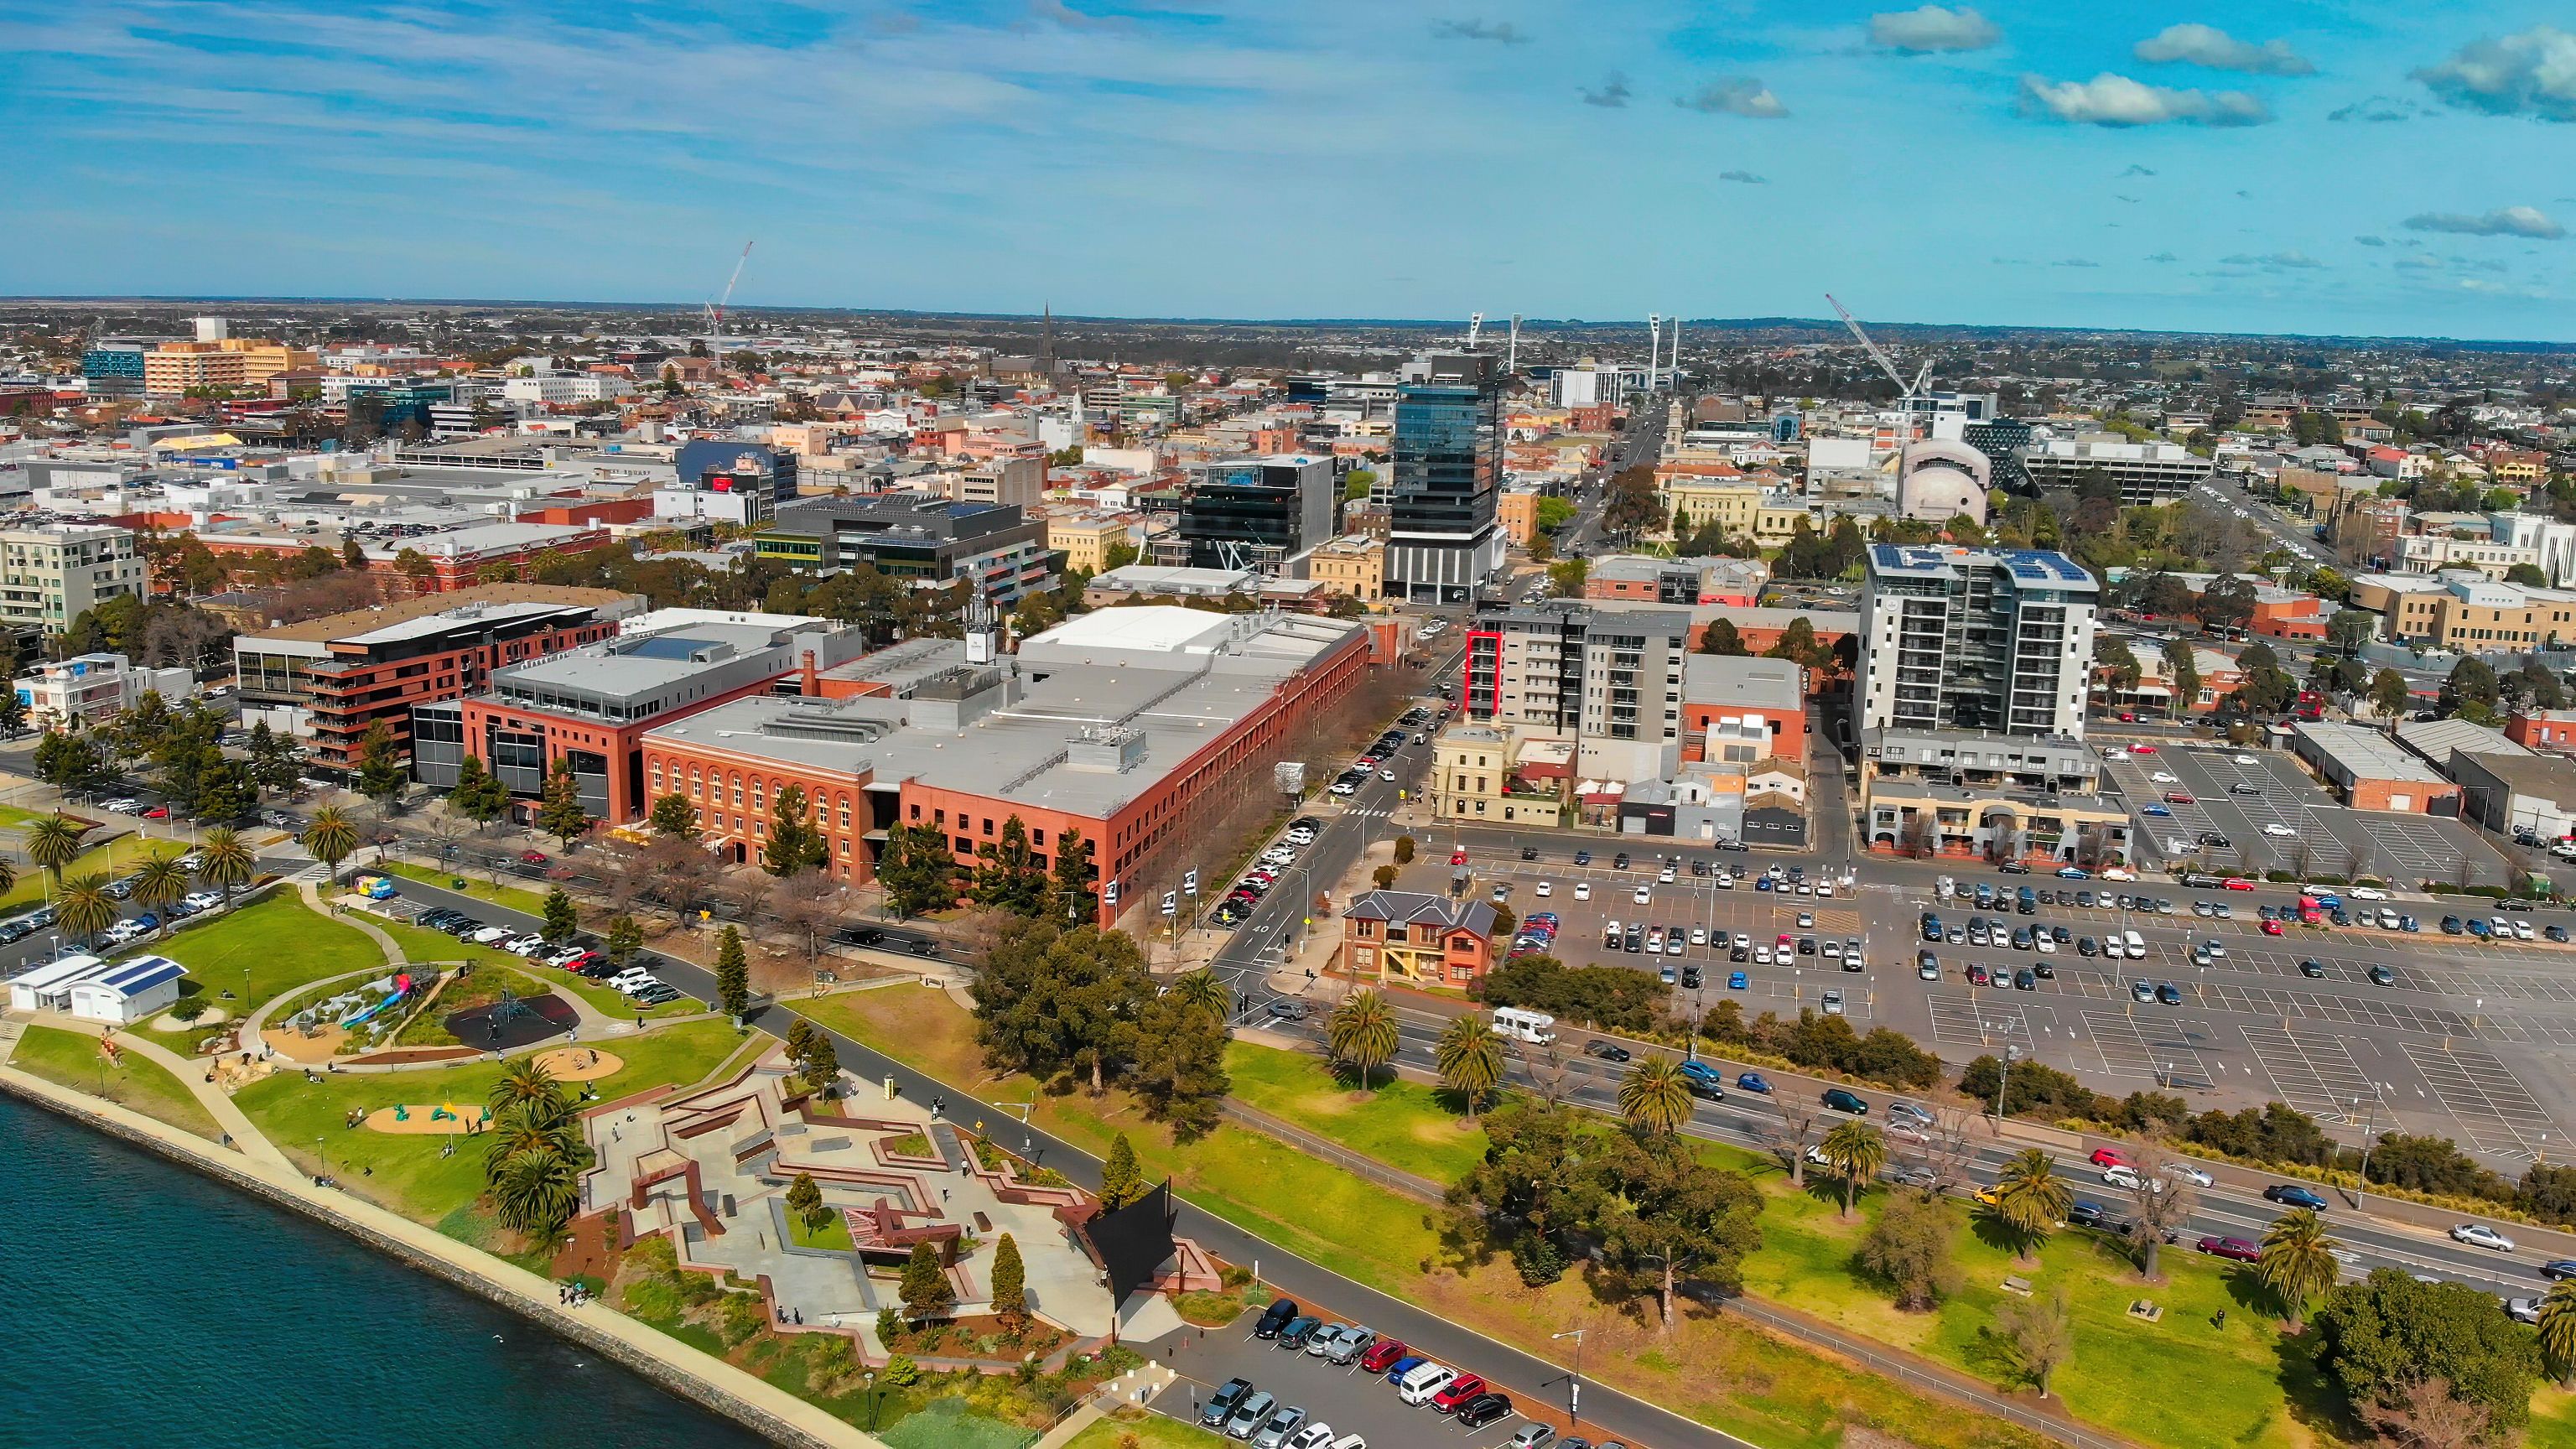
430 1119
580 1064
513 1021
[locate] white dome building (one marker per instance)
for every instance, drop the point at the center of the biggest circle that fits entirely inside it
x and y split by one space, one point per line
1940 479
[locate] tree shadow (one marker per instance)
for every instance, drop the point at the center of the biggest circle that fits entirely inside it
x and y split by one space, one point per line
1990 1229
2314 1400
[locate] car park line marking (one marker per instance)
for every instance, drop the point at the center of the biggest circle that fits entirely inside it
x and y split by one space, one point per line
2311 1071
2495 1111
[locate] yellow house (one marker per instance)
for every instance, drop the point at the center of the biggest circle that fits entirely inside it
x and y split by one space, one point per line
1086 540
1734 506
1353 565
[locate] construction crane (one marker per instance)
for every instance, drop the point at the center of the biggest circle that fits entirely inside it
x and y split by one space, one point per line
1907 392
716 309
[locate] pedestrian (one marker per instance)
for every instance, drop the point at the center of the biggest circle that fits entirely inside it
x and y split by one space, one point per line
2222 1318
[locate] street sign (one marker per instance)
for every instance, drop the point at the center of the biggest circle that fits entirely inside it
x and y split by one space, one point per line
1190 883
1171 903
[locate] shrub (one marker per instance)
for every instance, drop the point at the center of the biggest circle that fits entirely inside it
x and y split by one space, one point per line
1613 998
2277 1133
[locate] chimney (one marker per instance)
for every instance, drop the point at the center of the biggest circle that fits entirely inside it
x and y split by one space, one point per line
813 685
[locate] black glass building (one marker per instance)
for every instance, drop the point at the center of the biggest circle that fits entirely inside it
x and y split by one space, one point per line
1442 538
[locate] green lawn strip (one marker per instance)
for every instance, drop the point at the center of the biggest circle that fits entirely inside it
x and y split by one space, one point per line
257 952
13 818
1404 1124
423 945
72 1059
833 1237
1148 1431
307 1119
2553 1420
517 898
116 857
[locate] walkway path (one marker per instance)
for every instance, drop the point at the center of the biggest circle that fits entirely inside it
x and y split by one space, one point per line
648 1350
190 1074
313 897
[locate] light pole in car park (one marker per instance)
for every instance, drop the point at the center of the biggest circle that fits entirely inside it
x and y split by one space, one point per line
1574 1384
2369 1135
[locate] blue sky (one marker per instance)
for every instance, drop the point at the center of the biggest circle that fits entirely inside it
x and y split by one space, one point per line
2369 168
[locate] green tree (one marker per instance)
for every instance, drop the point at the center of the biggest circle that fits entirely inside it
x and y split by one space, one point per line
83 907
805 1202
1404 849
2116 663
560 812
1722 637
2182 664
274 767
1384 876
1908 1249
1008 1287
1654 1096
71 762
2528 575
926 1291
1565 577
2030 1201
625 938
1662 1215
1361 1034
1799 645
1470 1058
795 843
13 713
2389 694
2228 603
733 974
2382 1337
1176 1059
226 862
476 795
675 817
2471 687
2041 1330
563 919
1009 878
919 873
1855 1151
1357 483
157 882
1049 1001
1202 989
1121 1182
818 1066
2298 1263
528 1082
55 842
331 838
535 1192
2557 1335
381 774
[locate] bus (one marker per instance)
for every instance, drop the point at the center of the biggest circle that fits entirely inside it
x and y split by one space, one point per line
1535 1027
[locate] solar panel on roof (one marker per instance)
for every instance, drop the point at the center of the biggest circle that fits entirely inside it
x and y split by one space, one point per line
665 647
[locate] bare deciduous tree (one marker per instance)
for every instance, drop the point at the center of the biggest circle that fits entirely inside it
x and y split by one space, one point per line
2162 1201
1790 1137
2425 1415
1549 1071
1947 1150
810 904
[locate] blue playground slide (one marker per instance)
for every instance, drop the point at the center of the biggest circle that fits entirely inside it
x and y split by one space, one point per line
401 990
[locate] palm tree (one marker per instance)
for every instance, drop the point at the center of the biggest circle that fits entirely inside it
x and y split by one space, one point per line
53 843
226 861
8 875
1655 1096
2558 1330
1855 1151
331 838
1470 1058
528 1127
2031 1200
2298 1262
529 1084
1361 1031
1202 989
160 880
86 908
536 1191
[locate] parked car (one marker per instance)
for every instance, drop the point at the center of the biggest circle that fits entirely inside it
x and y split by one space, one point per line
1274 1318
2292 1195
1839 1100
2479 1235
2236 1249
1221 1405
1483 1409
1249 1414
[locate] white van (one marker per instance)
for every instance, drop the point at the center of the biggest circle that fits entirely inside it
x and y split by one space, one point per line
1350 1441
2136 943
1535 1027
1417 1387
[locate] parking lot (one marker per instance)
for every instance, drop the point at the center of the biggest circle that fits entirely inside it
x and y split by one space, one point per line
1351 1401
2283 820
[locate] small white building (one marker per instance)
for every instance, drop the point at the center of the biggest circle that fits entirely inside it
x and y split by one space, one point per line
88 688
121 992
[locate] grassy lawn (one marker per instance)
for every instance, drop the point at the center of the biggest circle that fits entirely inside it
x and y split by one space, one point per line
1148 1431
1404 1125
419 943
833 1237
114 858
308 1120
71 1059
516 898
258 952
1716 1368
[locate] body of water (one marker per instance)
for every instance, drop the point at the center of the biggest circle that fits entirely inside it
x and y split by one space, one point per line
145 1304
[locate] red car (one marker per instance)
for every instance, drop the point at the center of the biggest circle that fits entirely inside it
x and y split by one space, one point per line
2142 749
2127 718
2108 1157
2271 928
1457 857
532 857
2176 797
157 812
2238 883
1382 1355
2236 1248
1460 1390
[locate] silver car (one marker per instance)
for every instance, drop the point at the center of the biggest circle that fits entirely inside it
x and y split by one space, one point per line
1248 1415
1274 1434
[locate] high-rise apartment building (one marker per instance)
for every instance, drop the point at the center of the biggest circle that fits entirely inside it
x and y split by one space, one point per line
51 574
1609 678
1995 640
1442 538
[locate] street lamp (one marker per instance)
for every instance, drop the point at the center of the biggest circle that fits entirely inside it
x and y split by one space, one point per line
2003 1078
1574 1385
2369 1135
871 1379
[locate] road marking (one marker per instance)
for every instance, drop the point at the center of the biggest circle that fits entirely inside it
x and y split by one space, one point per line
2494 1109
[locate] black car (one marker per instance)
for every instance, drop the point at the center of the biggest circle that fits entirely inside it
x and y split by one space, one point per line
1274 1318
1691 979
1483 1409
2557 1268
2555 933
2168 993
16 931
2313 969
2382 976
2023 980
2013 867
1529 852
2292 1195
862 935
1293 1336
1606 1049
1619 861
2043 970
2085 1215
924 947
2084 946
1583 857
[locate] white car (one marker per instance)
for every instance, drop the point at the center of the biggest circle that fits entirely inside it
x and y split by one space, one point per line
2047 944
2245 759
1699 935
2176 845
1344 787
1544 889
1761 955
2522 930
2277 828
2479 1235
1825 888
1387 775
2367 893
2121 1174
205 900
1583 890
2189 1173
2163 778
1643 895
493 935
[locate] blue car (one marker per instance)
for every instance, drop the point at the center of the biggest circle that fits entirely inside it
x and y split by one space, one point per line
2073 872
1762 883
2290 1195
147 922
2477 928
1737 981
1752 1082
2158 810
1396 1371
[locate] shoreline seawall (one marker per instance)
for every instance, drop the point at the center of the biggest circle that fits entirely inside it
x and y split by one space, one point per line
717 1386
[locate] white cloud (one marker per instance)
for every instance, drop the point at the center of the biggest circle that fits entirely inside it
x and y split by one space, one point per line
2116 100
1058 12
2424 260
2510 221
1735 95
1932 28
1500 33
2275 261
2531 72
1611 94
2207 45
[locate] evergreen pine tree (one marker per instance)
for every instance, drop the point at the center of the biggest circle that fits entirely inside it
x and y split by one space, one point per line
1120 1182
1010 1283
563 921
674 816
805 1200
733 980
926 1289
561 813
625 938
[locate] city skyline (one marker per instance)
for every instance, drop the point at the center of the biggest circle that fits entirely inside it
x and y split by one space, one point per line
2355 172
